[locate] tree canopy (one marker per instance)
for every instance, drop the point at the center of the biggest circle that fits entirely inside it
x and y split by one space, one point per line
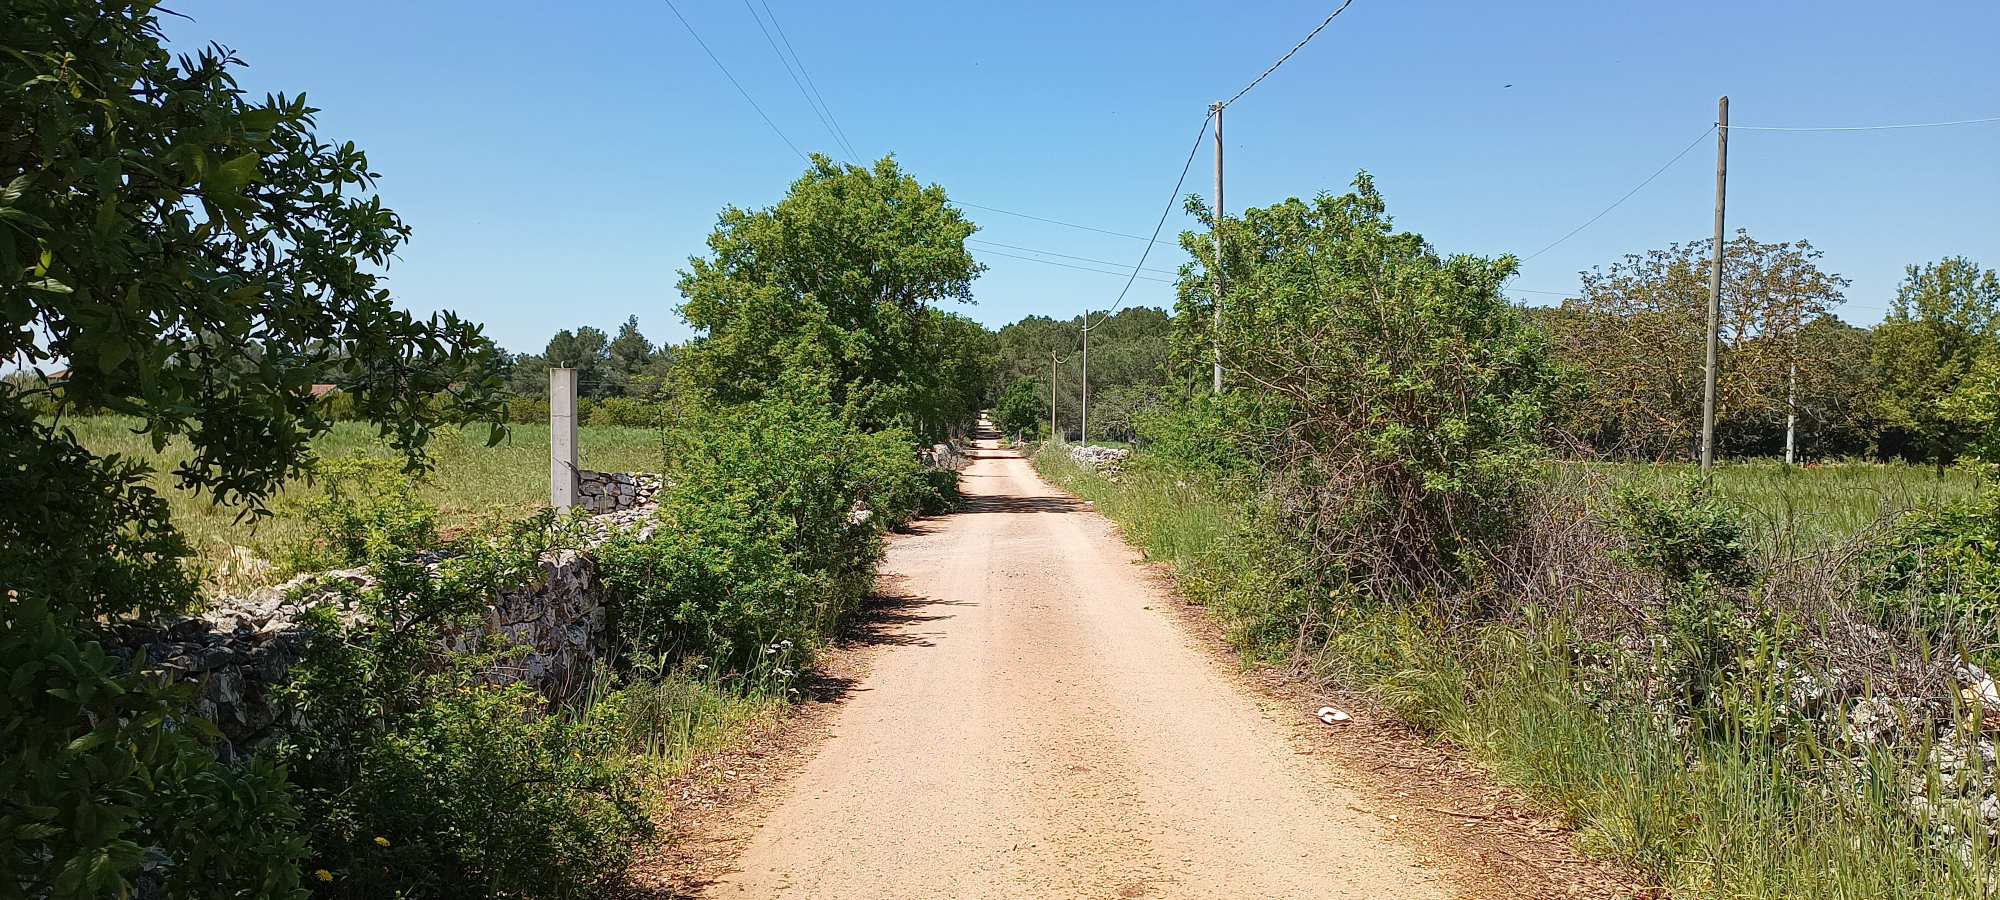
199 258
839 283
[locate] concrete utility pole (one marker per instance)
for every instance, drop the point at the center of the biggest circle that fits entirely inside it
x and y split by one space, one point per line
562 438
1215 272
1052 396
1083 429
1791 411
1715 288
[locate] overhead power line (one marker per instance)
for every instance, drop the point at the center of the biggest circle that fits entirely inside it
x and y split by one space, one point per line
1986 121
1288 54
828 118
732 80
780 54
1009 212
1628 195
1102 262
1172 197
1051 262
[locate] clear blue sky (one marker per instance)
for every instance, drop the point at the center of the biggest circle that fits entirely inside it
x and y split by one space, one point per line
559 162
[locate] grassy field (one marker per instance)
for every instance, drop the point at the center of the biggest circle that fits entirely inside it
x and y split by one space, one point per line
1782 504
470 479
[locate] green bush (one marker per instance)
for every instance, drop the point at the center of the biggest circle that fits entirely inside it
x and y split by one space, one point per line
107 780
419 776
1226 437
758 552
1682 535
366 506
1938 572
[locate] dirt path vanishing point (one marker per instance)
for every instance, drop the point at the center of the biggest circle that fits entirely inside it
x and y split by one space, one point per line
1042 727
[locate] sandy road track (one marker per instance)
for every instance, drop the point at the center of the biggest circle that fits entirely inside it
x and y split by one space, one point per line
1040 727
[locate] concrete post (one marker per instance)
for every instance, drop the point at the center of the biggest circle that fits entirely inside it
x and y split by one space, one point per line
562 438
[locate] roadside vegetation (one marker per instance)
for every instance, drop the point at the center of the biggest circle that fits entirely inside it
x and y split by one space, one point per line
1766 685
204 269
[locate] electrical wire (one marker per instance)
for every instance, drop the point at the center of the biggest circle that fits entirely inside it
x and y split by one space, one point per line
1986 121
780 54
1288 54
842 132
1009 212
1628 195
1162 223
732 80
1051 262
1102 262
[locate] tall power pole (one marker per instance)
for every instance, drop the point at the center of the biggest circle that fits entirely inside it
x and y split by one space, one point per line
1083 423
1052 396
1715 287
1215 272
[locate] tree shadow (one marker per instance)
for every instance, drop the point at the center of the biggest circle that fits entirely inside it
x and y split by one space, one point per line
996 504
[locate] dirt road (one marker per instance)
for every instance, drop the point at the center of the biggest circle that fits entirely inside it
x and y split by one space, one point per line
1042 727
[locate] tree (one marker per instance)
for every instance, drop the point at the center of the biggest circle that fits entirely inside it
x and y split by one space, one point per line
200 260
830 285
587 350
1942 323
1638 332
1023 409
1129 349
631 358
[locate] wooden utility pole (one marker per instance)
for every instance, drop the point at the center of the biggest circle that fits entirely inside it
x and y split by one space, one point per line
562 438
1215 272
1083 426
1052 396
1715 288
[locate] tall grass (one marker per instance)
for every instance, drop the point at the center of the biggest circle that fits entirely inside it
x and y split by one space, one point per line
471 480
1816 503
1736 817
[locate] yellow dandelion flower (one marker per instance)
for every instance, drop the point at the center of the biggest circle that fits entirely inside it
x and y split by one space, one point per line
381 841
323 875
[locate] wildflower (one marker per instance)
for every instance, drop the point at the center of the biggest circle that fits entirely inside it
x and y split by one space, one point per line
323 875
381 841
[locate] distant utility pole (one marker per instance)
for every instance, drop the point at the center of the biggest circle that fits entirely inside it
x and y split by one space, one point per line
1715 288
1791 412
1052 396
1215 272
1083 428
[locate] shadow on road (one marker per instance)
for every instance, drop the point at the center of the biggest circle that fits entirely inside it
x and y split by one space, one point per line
992 504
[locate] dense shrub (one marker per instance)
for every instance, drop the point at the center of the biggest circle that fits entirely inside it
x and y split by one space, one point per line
1938 572
1227 436
759 546
629 411
107 782
418 776
1415 393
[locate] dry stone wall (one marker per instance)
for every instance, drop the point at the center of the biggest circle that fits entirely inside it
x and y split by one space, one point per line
241 650
603 492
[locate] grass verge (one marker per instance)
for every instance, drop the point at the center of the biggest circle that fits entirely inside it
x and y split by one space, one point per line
1710 815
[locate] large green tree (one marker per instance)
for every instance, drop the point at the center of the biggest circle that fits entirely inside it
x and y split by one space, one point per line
836 284
1944 320
199 259
1637 331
